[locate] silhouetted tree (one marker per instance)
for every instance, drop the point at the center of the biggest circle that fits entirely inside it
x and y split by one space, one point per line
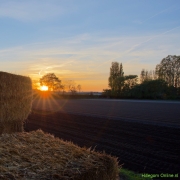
119 84
142 76
120 79
71 85
152 89
147 75
51 81
130 81
169 70
163 83
79 87
116 76
72 89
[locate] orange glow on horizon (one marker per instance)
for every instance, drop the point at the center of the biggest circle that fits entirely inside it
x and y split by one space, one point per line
86 85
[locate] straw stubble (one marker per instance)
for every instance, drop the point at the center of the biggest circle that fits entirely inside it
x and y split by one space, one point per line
37 155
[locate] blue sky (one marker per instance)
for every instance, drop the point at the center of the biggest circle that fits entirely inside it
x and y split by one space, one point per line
78 40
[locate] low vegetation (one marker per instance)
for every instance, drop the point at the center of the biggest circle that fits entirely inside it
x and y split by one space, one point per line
130 175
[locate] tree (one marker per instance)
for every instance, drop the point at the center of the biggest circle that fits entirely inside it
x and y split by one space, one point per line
121 73
79 87
58 87
152 89
114 72
142 76
119 84
115 78
70 85
63 88
147 75
107 92
130 81
120 79
51 81
73 89
169 70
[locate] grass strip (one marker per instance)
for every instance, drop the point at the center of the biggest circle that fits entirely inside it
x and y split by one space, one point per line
130 175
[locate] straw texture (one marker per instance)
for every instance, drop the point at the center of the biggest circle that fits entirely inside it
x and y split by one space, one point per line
37 155
15 101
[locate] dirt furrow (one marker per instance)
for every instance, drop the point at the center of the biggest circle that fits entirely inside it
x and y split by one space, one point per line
151 148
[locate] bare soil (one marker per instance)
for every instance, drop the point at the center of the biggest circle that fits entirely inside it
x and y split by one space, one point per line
141 147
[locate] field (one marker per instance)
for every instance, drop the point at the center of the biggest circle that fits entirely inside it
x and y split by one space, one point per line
144 135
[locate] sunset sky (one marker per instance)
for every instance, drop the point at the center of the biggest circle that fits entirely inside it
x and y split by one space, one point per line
78 39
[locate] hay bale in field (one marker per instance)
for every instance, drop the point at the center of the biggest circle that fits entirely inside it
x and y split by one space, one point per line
36 155
15 101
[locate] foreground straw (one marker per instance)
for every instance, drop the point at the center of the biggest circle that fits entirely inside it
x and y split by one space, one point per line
15 101
37 155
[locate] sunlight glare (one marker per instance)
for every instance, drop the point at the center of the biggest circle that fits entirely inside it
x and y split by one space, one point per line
44 88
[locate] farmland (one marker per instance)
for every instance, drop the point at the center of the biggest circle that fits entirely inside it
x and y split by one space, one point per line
144 135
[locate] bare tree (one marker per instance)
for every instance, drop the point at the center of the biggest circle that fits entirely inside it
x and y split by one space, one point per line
79 87
70 86
72 89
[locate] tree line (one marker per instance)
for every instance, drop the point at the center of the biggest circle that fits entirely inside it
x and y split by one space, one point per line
161 83
55 84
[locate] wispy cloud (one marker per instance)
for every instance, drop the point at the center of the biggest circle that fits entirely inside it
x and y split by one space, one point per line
143 43
33 10
158 13
149 39
89 56
79 39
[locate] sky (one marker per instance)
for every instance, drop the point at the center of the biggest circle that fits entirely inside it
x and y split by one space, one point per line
79 39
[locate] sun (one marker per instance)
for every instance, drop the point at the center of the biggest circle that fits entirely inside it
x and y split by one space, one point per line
44 88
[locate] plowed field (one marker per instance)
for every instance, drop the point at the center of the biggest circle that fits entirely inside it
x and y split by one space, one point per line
145 136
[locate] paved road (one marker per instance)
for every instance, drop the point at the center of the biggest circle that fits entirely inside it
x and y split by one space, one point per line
163 113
